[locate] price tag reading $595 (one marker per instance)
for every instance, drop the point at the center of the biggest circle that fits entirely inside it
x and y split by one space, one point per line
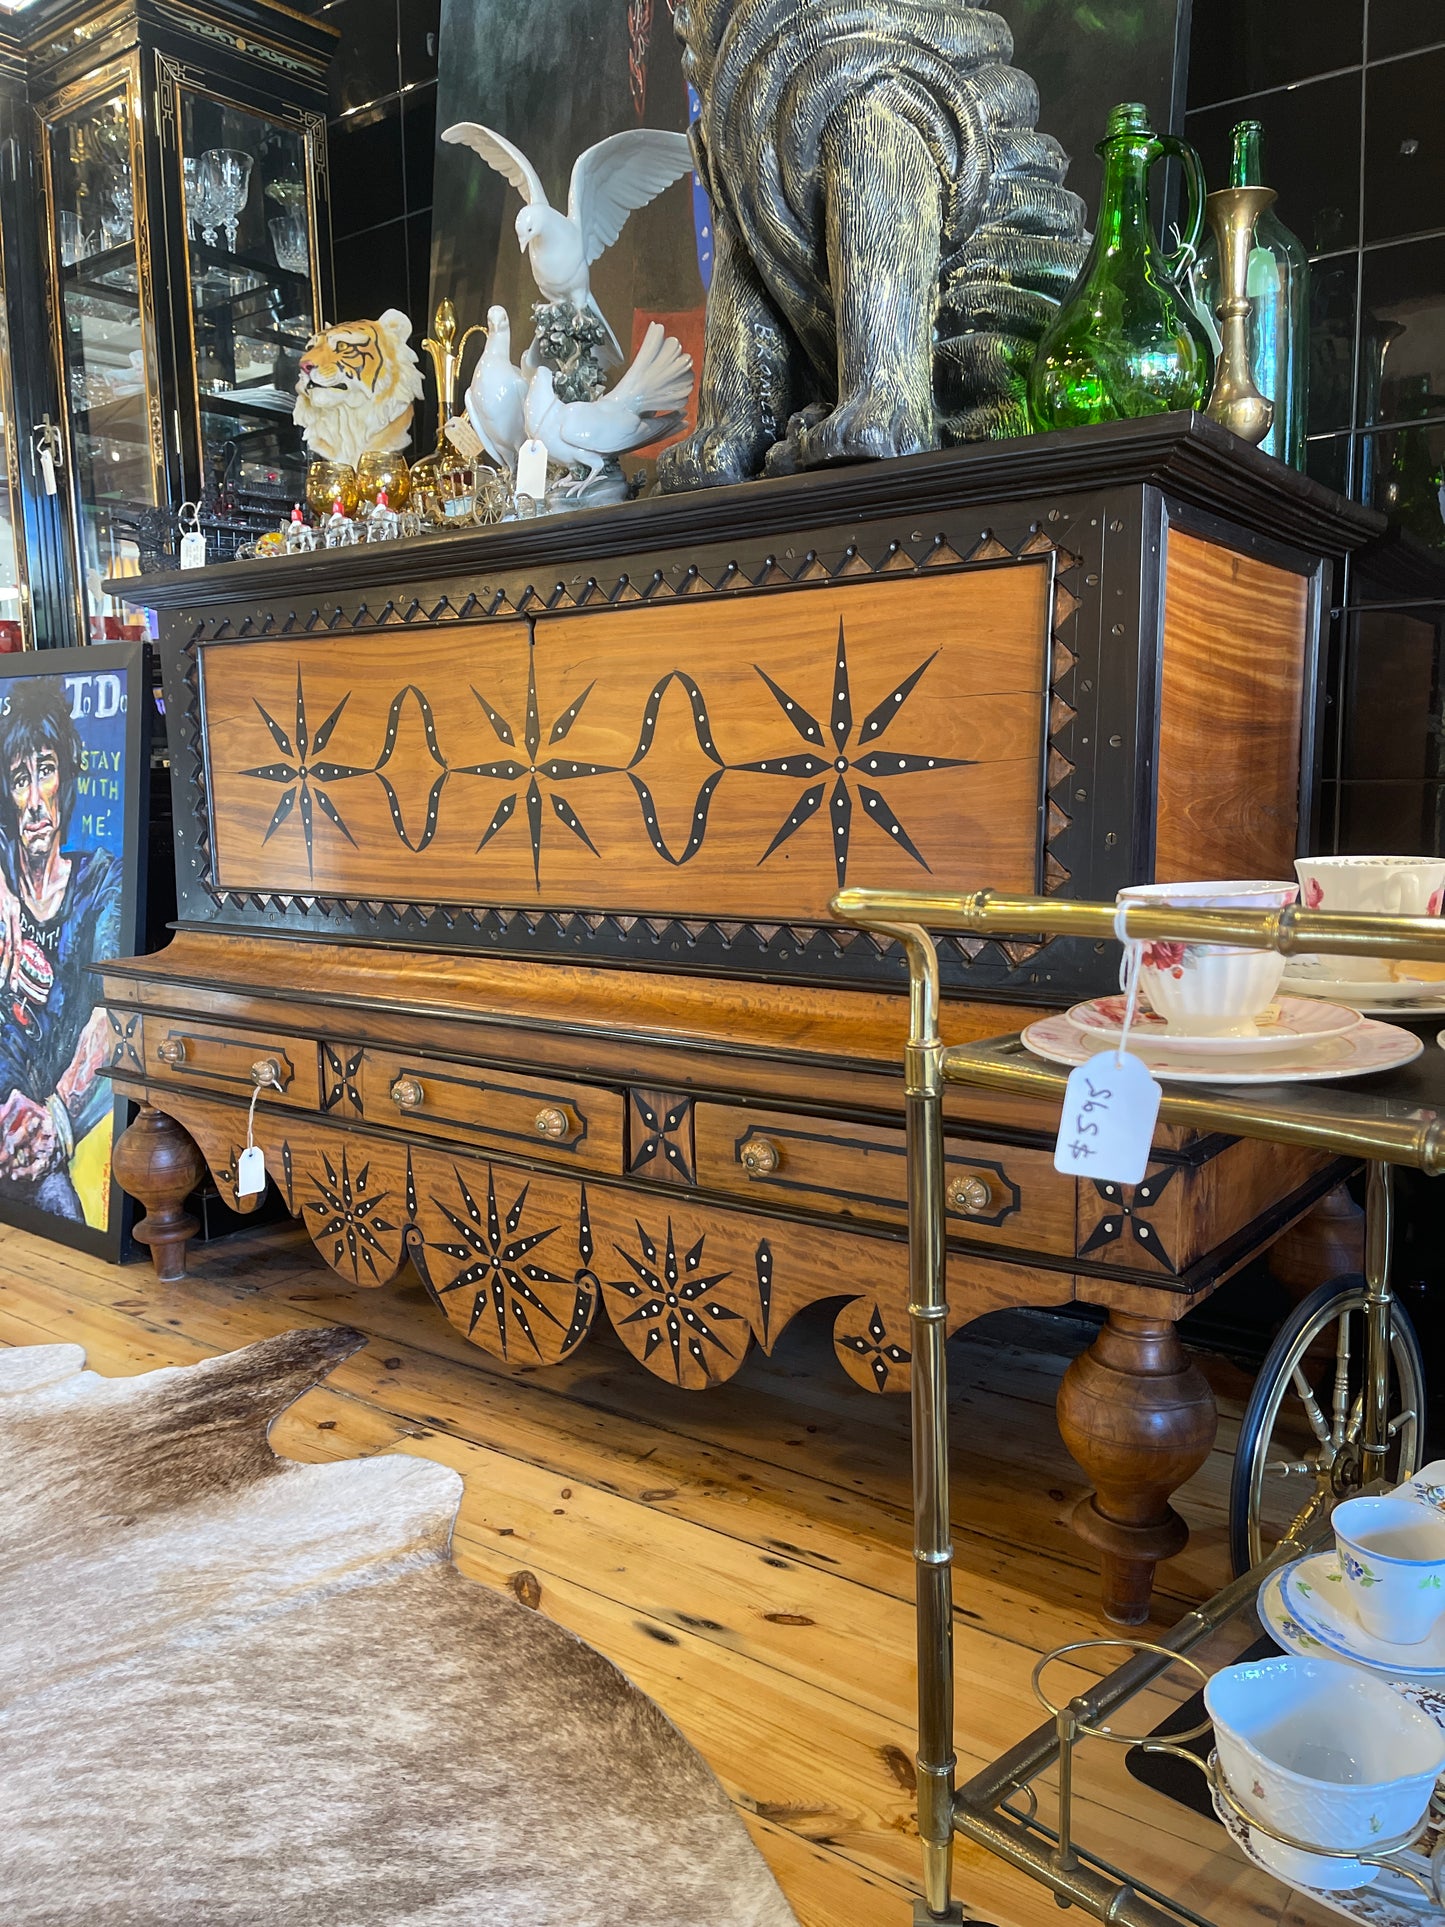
1111 1105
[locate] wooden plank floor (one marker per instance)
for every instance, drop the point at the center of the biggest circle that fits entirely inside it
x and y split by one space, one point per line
742 1554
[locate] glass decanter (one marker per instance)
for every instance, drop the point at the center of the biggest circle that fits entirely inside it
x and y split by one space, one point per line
1279 294
1126 340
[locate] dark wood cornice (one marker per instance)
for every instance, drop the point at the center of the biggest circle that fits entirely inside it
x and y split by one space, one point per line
1188 458
42 30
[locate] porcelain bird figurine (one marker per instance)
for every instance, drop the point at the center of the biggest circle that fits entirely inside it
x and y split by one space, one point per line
497 394
647 404
609 181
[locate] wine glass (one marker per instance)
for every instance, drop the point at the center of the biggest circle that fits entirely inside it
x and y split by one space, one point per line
386 473
328 483
229 174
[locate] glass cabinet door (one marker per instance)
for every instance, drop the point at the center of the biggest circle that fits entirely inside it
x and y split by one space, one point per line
14 600
251 272
107 340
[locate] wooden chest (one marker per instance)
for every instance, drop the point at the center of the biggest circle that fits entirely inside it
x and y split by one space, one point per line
504 860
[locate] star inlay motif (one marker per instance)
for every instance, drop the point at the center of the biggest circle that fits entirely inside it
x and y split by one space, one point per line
852 763
305 777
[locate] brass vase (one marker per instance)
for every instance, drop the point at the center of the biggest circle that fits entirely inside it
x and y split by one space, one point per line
1234 401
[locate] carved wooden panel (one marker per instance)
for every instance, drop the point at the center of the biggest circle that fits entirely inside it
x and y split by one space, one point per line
646 759
576 1123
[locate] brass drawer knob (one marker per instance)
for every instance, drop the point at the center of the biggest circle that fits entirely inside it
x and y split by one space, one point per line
265 1072
969 1195
551 1122
759 1156
407 1093
172 1050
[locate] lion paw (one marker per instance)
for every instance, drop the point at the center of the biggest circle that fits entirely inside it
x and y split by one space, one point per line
868 428
709 458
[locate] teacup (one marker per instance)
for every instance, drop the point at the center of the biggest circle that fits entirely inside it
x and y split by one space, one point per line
1392 1559
1210 989
1326 1753
1395 886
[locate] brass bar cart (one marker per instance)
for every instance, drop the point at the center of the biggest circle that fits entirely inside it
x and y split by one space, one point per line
1382 1130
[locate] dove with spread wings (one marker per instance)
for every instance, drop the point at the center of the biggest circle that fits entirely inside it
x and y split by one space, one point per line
609 181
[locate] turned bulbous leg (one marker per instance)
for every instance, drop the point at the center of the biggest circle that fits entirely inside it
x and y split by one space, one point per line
158 1164
1139 1417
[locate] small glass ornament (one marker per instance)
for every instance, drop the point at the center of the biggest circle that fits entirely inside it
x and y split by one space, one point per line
340 531
328 482
300 537
381 473
383 524
273 542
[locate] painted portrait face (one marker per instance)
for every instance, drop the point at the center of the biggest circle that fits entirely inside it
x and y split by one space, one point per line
35 794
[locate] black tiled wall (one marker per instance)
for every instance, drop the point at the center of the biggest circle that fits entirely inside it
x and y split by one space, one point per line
381 139
1350 93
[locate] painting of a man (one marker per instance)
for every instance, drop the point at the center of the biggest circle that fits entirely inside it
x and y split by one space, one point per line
60 911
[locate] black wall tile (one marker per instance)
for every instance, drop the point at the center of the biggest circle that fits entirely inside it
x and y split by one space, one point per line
1405 147
1398 470
1311 155
1333 323
368 61
1328 461
1402 367
420 39
1400 26
1389 819
1242 46
419 141
1390 694
367 177
418 271
371 272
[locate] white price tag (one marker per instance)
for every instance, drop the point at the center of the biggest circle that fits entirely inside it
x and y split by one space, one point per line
1111 1104
250 1171
193 550
532 469
47 469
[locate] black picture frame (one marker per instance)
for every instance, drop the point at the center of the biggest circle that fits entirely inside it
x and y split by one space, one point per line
106 691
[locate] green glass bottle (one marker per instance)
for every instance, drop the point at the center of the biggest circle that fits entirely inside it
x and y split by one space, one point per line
1279 293
1126 340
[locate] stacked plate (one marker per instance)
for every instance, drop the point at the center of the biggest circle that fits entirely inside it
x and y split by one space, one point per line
1398 995
1297 1040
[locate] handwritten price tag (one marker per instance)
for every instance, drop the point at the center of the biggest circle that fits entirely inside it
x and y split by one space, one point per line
1111 1105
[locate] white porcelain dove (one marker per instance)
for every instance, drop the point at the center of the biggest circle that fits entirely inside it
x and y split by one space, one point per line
497 393
609 181
647 404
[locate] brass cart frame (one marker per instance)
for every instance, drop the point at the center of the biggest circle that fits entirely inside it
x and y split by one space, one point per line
1322 1118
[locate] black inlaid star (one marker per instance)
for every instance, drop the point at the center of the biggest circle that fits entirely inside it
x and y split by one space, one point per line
304 776
1127 1213
882 1355
673 1300
852 764
350 1216
496 1263
530 778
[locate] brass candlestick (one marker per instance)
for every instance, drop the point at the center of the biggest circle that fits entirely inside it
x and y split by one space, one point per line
1234 401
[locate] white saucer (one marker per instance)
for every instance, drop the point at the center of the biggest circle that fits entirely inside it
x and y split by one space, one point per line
1395 998
1361 1052
1280 1028
1313 1591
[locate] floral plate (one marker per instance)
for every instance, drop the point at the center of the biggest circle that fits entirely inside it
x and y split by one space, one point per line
1283 1025
1361 1052
1313 1592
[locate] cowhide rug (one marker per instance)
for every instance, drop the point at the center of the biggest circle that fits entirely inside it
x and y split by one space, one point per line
237 1690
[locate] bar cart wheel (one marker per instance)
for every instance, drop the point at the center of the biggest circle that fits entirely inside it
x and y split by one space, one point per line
1300 1438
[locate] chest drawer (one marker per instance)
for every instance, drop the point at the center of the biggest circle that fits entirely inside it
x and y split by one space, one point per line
577 1123
224 1057
993 1192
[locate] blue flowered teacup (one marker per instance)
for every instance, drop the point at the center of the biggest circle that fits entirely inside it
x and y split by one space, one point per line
1392 1559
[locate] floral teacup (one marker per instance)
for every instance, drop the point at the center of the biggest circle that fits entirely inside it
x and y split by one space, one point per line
1392 1557
1396 886
1210 989
1327 1754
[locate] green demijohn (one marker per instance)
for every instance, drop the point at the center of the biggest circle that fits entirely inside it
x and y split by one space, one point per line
1126 340
1279 296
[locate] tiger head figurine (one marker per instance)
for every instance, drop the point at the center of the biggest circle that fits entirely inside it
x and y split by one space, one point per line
358 385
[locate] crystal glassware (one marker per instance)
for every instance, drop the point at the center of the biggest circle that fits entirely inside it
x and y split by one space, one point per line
228 172
328 483
381 472
290 240
1126 340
